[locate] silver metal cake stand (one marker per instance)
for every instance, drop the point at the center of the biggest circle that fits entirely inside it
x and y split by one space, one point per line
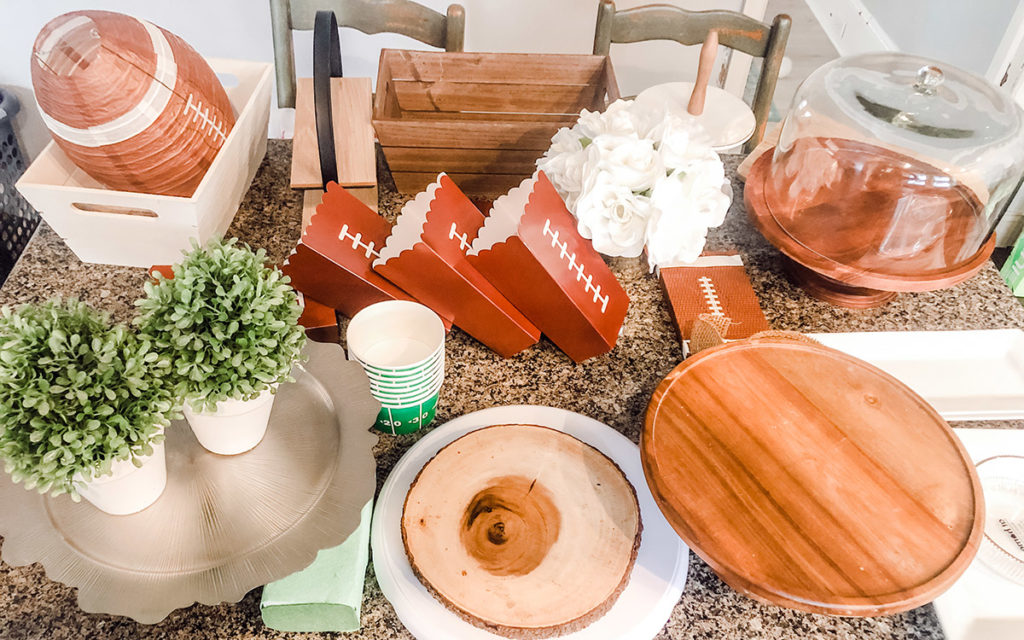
225 524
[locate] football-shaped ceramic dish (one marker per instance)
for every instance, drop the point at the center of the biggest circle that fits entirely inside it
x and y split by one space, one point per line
133 105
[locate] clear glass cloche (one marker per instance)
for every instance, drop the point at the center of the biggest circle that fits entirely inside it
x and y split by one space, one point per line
895 168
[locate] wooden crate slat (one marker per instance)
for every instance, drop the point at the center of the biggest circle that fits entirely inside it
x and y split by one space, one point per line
353 134
465 135
499 97
561 120
426 159
492 184
494 67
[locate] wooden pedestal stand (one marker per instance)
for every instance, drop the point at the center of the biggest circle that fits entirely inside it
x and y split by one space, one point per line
859 283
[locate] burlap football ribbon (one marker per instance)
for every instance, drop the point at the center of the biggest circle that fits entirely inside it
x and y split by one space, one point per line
709 331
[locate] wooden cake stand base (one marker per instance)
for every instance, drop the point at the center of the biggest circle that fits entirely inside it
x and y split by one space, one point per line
835 292
844 273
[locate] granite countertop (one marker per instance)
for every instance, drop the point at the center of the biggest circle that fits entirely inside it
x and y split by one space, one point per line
613 389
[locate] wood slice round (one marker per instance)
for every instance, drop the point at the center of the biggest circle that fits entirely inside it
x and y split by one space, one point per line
837 233
522 530
809 479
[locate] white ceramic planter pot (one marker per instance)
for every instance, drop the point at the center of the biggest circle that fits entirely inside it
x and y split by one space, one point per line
128 489
235 427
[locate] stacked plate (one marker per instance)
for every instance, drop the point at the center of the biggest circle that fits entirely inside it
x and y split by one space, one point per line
726 118
400 346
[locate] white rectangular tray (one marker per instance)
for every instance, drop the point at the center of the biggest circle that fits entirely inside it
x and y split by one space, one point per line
139 229
981 604
965 375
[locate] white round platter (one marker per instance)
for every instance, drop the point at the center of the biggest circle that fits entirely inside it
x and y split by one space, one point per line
726 118
655 584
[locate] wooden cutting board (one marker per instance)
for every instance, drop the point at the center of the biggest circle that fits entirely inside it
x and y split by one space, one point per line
810 479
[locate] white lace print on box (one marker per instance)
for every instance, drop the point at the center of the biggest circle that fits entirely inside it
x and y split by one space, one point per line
711 299
409 229
357 243
503 221
586 278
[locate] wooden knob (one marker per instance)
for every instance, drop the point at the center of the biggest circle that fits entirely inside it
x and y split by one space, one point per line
708 51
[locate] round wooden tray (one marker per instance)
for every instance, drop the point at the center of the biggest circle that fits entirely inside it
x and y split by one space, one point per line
809 479
847 284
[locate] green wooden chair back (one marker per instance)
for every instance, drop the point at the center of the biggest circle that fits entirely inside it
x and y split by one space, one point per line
735 30
369 16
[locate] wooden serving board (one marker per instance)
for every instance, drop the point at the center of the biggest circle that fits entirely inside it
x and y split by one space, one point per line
809 479
353 135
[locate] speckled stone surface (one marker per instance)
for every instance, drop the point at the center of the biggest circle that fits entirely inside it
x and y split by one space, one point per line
613 388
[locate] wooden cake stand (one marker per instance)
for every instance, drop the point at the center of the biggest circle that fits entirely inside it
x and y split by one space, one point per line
809 479
522 530
833 237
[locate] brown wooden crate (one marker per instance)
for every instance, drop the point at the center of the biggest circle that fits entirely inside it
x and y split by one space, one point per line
427 159
491 184
485 117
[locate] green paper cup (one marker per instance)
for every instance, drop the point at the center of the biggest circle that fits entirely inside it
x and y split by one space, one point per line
400 345
399 399
407 419
432 361
396 336
395 385
407 397
392 377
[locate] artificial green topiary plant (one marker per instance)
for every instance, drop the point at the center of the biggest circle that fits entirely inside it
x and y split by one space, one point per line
228 322
76 394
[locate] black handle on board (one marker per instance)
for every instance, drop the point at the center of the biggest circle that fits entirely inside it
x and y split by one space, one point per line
326 65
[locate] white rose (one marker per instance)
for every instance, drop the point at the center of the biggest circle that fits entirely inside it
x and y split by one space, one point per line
706 183
631 162
613 217
615 120
565 140
685 206
649 119
670 240
565 170
683 143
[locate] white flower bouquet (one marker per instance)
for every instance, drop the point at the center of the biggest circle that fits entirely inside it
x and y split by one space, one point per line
636 177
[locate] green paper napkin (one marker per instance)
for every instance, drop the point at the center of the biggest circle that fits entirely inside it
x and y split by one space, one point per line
326 595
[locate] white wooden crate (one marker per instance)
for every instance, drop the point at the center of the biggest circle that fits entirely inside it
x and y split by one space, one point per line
141 230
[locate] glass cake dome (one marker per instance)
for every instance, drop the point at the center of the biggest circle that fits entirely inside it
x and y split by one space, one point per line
890 174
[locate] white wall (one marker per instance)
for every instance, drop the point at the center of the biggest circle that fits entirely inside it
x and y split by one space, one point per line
241 29
961 32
